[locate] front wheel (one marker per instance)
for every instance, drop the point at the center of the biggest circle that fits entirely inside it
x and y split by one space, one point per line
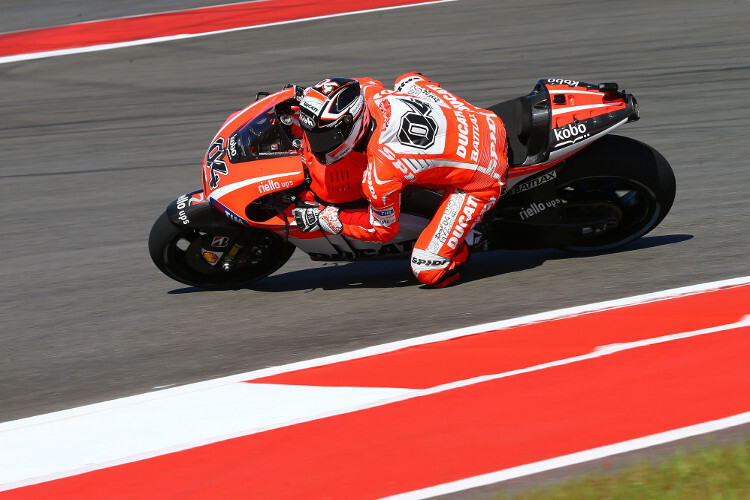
212 258
624 187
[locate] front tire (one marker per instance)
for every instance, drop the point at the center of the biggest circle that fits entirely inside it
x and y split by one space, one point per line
178 253
624 185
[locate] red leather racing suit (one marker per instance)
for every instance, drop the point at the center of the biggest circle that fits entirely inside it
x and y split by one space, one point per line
429 137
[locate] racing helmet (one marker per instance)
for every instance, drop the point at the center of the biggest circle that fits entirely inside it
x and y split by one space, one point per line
334 118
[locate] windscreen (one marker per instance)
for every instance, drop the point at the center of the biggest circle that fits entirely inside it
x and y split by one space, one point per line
268 134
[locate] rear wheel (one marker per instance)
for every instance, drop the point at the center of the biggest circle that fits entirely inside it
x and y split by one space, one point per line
616 190
187 255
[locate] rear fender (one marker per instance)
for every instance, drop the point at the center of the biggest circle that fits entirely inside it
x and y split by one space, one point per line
560 117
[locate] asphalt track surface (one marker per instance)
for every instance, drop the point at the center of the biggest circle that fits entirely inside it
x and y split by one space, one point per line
95 145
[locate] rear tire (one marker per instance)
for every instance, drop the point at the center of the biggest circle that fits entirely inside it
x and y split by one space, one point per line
623 181
177 252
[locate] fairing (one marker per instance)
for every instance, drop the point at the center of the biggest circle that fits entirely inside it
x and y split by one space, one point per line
255 154
557 119
582 112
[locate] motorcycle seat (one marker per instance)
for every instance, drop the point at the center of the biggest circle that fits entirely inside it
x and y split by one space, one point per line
526 121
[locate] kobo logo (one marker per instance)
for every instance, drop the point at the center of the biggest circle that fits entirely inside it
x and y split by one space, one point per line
576 131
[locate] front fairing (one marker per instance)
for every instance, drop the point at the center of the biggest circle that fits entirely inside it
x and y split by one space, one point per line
256 154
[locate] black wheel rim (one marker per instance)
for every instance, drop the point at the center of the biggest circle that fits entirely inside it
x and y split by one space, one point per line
619 210
183 260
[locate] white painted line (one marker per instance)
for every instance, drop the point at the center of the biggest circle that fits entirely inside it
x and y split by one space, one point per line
597 353
575 458
34 449
146 41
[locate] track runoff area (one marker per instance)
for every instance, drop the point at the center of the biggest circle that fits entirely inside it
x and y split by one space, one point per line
176 25
415 418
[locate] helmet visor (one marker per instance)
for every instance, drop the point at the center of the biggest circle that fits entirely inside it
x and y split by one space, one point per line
325 140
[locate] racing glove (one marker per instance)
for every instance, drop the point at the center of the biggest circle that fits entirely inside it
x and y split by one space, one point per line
307 218
314 218
329 220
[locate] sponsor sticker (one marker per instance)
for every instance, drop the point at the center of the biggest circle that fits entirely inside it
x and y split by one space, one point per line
525 186
220 241
537 208
570 133
182 203
232 149
306 121
234 217
312 104
560 81
405 82
464 222
210 257
429 262
385 110
388 212
384 217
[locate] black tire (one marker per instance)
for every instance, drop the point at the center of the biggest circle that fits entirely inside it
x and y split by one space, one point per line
619 179
176 251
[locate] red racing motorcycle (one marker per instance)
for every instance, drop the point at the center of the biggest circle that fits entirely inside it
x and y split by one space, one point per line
570 185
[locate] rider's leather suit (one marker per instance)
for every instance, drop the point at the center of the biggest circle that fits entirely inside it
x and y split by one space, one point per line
427 136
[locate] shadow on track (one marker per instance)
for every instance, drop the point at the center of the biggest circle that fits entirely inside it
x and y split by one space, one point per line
395 273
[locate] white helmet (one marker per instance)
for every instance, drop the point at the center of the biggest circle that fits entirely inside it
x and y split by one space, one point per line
334 118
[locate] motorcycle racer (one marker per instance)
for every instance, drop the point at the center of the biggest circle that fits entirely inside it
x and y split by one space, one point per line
419 134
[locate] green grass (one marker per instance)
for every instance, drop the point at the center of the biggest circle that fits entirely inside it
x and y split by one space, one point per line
709 473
